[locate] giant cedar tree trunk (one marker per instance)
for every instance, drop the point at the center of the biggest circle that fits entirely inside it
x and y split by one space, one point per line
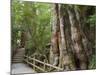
66 56
69 47
77 39
60 53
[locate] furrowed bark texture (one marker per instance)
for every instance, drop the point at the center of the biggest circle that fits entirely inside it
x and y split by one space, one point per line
55 37
70 48
77 39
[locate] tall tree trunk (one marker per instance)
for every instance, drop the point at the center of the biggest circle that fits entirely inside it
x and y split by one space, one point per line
70 46
65 55
81 17
77 39
54 57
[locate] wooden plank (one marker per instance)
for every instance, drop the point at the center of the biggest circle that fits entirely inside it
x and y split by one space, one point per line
35 66
45 63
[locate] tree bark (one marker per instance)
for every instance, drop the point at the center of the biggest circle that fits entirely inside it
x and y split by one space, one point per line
54 57
81 17
66 57
77 39
69 44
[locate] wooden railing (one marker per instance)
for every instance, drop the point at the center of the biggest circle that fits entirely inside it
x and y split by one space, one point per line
43 69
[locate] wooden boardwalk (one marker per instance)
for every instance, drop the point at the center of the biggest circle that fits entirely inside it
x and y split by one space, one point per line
18 67
21 68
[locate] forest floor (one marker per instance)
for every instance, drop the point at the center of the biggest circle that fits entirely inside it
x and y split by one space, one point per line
21 68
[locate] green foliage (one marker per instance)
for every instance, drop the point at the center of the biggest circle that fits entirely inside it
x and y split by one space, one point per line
92 64
34 18
92 20
38 25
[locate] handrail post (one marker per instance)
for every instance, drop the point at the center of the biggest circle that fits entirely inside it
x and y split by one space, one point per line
44 65
50 67
34 63
27 59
